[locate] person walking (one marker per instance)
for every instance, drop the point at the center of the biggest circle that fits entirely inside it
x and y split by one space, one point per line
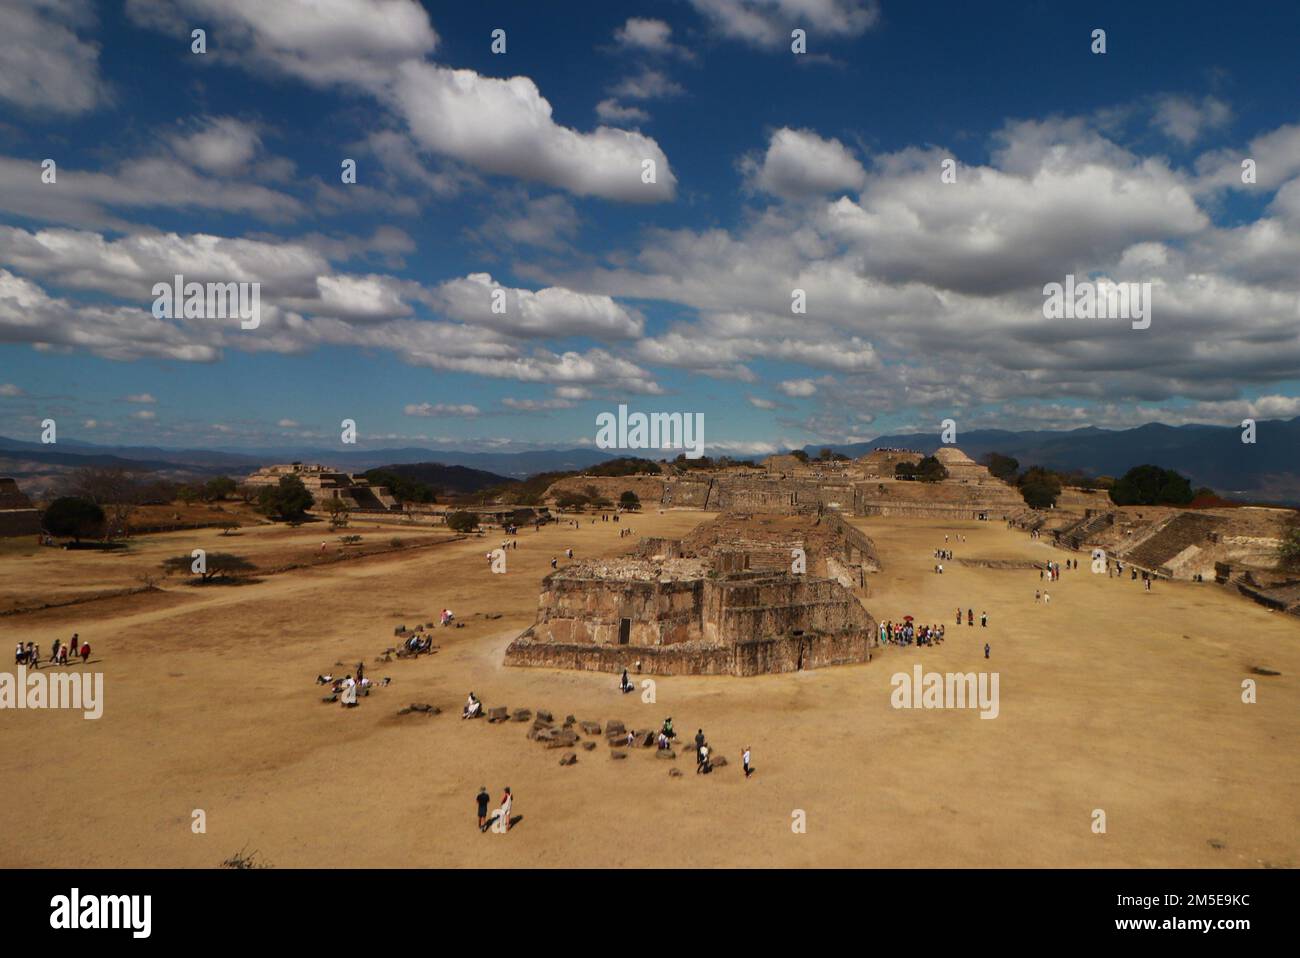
984 620
986 650
482 798
744 759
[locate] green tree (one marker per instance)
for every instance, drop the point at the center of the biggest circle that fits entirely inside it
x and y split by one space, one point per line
462 521
289 500
339 513
1040 488
221 487
71 516
630 501
928 469
1149 485
1002 467
1288 551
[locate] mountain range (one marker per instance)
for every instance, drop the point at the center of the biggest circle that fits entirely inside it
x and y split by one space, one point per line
1267 470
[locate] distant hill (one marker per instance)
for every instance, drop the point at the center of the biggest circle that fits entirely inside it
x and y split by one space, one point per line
1214 456
73 453
440 477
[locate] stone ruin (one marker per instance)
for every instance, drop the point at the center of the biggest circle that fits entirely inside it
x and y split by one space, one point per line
18 517
723 601
788 486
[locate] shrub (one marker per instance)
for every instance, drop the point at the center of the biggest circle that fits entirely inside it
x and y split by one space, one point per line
73 517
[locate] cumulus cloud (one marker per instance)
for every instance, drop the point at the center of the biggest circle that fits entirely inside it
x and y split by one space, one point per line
222 145
551 312
799 163
500 126
504 126
648 35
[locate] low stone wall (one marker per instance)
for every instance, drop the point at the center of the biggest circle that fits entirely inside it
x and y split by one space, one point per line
755 657
19 522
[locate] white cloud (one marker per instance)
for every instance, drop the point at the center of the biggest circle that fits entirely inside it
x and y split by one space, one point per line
611 111
798 388
767 23
221 145
45 66
536 405
647 35
499 126
142 398
799 163
1184 119
462 410
9 390
551 312
759 403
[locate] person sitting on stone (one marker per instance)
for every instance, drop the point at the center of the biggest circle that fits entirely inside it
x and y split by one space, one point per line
668 728
472 708
663 741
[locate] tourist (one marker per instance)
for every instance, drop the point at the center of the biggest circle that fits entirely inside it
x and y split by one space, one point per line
631 739
568 553
20 654
63 654
959 615
662 741
361 673
703 764
970 617
34 655
54 651
1046 598
1038 596
482 798
625 685
85 652
554 563
744 760
699 746
668 728
473 707
984 620
503 813
986 650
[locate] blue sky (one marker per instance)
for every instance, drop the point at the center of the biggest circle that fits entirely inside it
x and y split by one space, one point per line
521 171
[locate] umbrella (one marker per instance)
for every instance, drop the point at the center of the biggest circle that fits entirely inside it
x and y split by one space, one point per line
907 618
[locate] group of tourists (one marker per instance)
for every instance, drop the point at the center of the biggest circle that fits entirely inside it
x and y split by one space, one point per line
1052 570
905 633
30 654
346 689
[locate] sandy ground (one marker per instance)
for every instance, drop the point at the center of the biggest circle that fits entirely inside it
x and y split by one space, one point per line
1111 699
